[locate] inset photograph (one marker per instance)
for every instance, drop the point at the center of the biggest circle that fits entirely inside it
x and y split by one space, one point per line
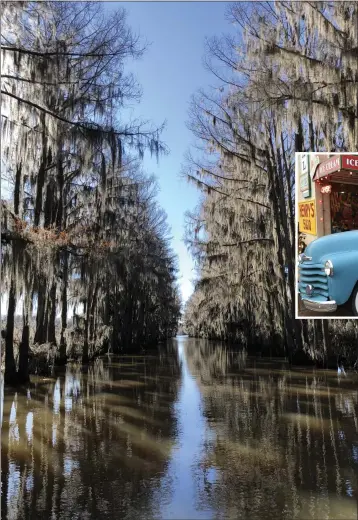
327 238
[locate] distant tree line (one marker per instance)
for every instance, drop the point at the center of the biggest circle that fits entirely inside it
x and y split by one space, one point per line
82 232
287 83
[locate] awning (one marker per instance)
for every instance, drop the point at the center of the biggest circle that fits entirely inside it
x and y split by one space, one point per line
339 168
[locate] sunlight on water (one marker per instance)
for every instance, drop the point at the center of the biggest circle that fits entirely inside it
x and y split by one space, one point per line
57 397
197 432
29 425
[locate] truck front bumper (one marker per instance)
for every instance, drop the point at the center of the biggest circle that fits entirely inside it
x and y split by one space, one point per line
319 306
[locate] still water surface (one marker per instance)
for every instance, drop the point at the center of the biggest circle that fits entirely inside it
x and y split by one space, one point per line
196 432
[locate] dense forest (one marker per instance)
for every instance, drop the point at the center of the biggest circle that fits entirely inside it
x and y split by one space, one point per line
287 83
85 247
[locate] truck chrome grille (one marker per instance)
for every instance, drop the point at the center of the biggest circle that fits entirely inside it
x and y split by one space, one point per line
314 275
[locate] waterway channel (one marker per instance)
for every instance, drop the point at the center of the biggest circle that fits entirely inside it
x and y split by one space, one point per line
195 432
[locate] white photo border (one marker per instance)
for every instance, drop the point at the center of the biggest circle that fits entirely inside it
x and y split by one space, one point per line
297 317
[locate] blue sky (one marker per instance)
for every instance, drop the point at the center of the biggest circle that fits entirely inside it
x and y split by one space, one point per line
170 72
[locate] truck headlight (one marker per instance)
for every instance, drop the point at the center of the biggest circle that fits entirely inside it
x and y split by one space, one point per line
328 268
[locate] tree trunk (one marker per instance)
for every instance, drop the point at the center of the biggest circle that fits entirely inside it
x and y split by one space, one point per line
60 187
274 197
85 354
304 324
41 176
317 329
23 372
18 191
61 360
10 365
40 336
327 344
50 205
51 328
45 322
289 195
271 321
288 251
92 312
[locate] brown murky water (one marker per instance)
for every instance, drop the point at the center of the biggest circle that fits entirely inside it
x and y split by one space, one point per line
196 432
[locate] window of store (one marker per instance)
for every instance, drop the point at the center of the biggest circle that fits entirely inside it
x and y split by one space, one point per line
344 207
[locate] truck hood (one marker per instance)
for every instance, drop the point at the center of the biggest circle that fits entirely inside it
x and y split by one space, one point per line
330 244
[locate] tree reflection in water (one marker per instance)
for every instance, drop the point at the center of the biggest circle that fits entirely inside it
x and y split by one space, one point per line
253 439
90 445
285 443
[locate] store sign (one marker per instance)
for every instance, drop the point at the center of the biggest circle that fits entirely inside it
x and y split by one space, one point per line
350 162
329 166
307 218
305 181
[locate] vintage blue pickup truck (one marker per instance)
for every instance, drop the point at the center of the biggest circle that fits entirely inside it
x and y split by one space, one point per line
328 272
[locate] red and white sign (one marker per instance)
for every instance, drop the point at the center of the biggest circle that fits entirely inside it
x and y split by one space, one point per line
350 162
327 167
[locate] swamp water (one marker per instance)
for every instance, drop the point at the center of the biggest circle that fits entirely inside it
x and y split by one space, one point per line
194 432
